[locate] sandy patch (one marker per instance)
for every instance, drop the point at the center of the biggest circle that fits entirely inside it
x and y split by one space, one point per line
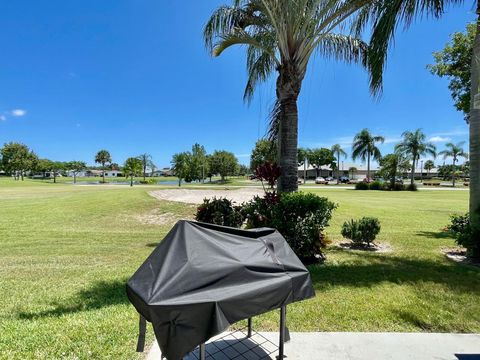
459 255
194 196
156 217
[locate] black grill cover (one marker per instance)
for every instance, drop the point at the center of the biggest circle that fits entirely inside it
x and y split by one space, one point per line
202 278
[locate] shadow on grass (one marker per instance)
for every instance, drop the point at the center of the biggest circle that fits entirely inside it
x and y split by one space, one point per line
153 244
435 234
366 270
101 294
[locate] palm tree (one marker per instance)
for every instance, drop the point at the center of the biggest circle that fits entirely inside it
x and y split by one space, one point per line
365 148
281 36
338 151
454 151
132 167
429 165
146 160
413 146
384 16
103 157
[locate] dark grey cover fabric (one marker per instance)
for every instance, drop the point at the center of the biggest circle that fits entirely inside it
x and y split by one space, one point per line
202 278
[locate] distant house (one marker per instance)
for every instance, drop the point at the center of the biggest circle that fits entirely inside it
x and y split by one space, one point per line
163 172
113 173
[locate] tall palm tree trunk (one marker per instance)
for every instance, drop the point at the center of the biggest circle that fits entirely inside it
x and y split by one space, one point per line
412 175
368 167
288 89
475 138
338 167
103 172
453 177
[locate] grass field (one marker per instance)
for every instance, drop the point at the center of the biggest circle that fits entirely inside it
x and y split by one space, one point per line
67 252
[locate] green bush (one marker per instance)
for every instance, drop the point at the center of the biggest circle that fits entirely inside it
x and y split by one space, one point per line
396 187
361 186
361 232
220 211
300 217
465 234
376 185
412 187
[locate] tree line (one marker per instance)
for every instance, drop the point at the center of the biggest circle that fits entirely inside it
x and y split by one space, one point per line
405 158
197 165
18 160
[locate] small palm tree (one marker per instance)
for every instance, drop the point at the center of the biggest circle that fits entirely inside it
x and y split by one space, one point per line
103 157
413 146
429 165
365 147
454 151
338 151
280 37
132 167
146 160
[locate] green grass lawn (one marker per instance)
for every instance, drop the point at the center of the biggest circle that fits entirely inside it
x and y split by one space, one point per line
67 252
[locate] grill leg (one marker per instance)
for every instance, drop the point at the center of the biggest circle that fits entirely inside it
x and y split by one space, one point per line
283 313
249 328
201 350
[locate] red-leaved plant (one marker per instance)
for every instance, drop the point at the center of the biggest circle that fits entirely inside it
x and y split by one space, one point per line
268 172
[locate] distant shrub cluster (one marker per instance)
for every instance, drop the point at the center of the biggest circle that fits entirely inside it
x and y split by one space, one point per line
386 186
220 212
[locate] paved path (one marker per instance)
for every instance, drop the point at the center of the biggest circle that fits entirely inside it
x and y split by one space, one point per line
371 346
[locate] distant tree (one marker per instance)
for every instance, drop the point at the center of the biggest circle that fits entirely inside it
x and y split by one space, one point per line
302 155
338 152
198 163
43 166
454 62
17 158
114 166
146 160
243 170
454 151
352 170
413 146
223 163
264 151
103 157
390 165
429 165
320 157
181 165
75 167
365 147
132 167
57 168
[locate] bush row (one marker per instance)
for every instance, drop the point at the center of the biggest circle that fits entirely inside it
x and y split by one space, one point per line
377 185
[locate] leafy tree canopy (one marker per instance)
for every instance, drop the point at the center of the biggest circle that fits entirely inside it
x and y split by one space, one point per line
454 62
264 151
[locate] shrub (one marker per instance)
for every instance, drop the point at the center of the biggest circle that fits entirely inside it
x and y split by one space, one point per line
412 187
465 234
397 187
300 217
363 231
376 185
220 211
269 173
361 186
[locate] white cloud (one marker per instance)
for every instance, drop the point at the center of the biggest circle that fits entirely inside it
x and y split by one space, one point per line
454 132
439 139
18 112
392 140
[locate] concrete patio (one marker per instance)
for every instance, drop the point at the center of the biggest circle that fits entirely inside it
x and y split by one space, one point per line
363 346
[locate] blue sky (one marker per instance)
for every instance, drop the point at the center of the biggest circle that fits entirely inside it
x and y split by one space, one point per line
133 77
